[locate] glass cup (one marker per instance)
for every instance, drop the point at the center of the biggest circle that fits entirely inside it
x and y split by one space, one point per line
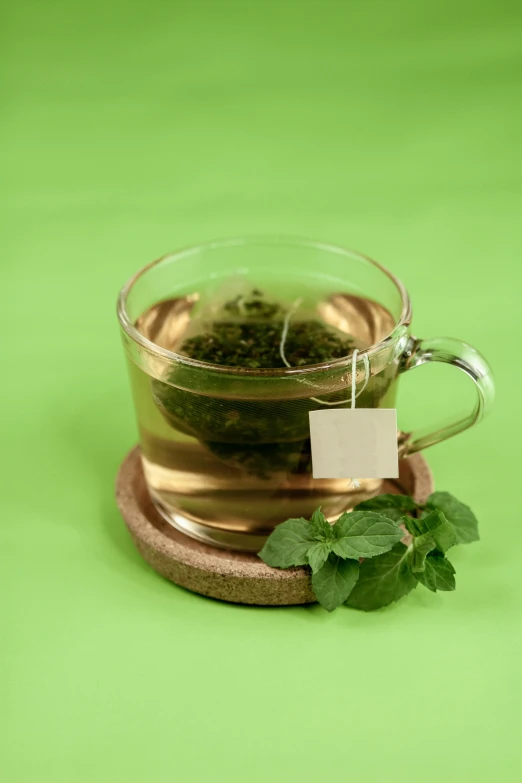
226 450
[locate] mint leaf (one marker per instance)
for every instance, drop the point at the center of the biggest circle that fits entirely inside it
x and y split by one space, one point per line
322 530
334 582
433 523
318 554
364 534
459 515
383 580
431 531
438 573
422 546
391 506
442 531
288 544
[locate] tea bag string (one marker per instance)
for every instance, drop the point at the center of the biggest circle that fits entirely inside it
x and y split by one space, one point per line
354 482
356 352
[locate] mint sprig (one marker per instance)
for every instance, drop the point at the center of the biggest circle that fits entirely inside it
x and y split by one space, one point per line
331 551
377 553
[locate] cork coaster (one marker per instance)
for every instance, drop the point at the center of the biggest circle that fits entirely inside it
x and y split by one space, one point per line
221 573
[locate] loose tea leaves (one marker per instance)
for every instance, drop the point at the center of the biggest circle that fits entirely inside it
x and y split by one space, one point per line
371 558
255 345
248 333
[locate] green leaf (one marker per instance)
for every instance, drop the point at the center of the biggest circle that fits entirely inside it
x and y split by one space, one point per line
334 582
383 580
391 506
443 532
413 526
321 528
288 544
318 554
422 546
459 515
431 531
438 574
364 534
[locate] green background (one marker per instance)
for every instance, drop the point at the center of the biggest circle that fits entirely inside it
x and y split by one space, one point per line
131 129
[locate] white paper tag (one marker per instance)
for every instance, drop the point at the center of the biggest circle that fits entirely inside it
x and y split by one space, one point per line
354 443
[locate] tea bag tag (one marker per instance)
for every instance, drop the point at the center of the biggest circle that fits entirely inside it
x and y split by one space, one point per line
350 442
354 442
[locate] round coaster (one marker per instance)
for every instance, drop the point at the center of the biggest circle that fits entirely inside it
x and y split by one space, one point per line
221 573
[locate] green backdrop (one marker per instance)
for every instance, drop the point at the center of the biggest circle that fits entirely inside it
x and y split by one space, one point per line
133 128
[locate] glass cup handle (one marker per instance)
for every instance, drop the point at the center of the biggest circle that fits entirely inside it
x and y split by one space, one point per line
467 359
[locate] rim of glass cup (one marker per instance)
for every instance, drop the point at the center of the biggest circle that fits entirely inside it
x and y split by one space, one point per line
137 337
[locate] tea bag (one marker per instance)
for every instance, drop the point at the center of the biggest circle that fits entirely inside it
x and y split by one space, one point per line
237 324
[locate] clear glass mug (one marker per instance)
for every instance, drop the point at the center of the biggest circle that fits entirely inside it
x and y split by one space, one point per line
226 450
